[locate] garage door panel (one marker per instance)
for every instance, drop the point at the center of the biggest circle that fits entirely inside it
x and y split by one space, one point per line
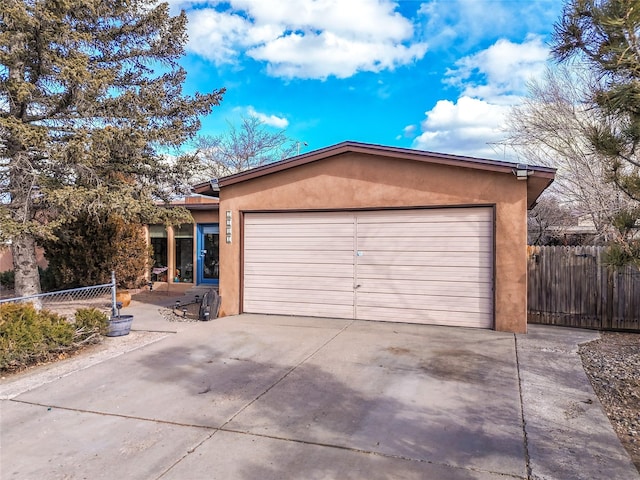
421 288
269 232
458 319
304 244
297 281
447 303
450 215
442 229
305 309
297 295
295 269
296 256
399 252
297 218
418 244
425 259
435 273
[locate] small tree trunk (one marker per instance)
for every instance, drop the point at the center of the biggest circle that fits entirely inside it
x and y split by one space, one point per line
25 265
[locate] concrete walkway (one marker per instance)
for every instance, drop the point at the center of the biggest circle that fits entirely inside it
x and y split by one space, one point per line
267 397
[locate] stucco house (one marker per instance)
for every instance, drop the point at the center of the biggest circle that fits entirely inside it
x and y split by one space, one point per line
370 232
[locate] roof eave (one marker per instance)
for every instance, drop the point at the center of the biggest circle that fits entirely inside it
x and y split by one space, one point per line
372 149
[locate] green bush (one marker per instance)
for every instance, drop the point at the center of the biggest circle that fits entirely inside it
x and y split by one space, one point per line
619 255
29 336
91 320
86 251
47 280
7 279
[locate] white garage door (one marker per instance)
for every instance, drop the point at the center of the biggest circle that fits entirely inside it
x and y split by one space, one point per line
429 266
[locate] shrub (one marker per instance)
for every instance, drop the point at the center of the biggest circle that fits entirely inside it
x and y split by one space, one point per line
91 320
87 249
47 280
29 336
7 279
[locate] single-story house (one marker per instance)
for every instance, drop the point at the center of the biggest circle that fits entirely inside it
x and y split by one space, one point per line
362 231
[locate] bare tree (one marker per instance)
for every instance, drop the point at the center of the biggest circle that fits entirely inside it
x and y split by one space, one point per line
251 145
548 221
552 128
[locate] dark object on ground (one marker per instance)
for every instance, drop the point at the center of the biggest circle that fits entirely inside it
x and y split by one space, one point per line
210 305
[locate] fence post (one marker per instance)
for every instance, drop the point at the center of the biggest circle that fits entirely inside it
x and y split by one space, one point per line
114 310
610 297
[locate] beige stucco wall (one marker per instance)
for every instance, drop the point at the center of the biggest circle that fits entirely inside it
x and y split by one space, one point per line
362 181
204 216
6 259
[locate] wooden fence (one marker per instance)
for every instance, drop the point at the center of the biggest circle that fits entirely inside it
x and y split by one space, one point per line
570 286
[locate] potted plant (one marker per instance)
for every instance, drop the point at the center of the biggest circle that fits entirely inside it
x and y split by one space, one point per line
119 325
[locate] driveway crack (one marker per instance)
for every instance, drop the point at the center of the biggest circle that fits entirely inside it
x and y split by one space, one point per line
523 420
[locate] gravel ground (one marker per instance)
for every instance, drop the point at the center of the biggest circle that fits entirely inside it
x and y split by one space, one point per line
612 364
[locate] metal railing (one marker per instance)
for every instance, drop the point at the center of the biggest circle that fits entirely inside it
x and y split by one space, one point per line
66 302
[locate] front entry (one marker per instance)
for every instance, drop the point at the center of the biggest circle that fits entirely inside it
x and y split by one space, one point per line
208 253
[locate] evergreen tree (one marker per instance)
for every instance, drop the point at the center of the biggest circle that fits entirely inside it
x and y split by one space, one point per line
87 249
90 99
605 34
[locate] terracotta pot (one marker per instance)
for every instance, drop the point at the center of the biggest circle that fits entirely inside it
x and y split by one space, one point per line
124 297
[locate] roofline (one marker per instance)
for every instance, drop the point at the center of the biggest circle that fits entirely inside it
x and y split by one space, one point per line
396 152
207 186
184 203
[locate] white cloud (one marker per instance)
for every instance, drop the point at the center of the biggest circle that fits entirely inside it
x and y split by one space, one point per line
465 127
271 120
213 35
305 38
409 130
491 81
502 70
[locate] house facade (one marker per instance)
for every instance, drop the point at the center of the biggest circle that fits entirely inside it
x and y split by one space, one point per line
369 232
365 232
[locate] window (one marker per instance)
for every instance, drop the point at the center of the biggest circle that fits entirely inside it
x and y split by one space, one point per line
183 236
158 237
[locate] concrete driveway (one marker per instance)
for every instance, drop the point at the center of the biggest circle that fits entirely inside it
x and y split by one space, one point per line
266 397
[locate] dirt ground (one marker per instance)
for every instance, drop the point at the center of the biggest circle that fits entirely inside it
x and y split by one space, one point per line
612 363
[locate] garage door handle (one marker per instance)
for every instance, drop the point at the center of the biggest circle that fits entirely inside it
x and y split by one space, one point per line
357 286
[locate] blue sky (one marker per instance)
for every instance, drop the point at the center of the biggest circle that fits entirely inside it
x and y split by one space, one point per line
437 75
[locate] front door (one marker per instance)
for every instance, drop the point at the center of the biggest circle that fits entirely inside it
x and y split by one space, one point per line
207 254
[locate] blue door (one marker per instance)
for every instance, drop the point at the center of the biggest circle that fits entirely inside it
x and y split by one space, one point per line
207 253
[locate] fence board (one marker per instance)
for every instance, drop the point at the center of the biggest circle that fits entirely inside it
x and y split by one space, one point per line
570 286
